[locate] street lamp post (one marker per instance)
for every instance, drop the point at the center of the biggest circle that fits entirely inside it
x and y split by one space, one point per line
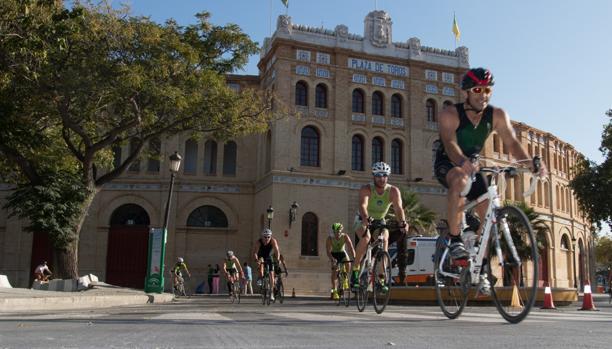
175 164
154 281
270 212
574 259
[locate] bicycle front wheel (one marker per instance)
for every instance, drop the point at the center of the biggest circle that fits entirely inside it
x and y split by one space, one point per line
382 281
345 289
362 291
452 285
513 264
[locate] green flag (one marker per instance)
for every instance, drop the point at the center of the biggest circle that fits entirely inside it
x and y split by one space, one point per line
286 3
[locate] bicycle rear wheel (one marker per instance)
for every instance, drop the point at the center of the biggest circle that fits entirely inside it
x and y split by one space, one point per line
382 281
362 291
513 279
451 291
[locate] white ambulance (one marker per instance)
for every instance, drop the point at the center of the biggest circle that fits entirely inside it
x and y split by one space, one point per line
419 260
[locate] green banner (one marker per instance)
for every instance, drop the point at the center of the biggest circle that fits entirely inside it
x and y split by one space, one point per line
154 282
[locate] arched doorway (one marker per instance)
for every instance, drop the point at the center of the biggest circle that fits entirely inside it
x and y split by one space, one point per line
128 239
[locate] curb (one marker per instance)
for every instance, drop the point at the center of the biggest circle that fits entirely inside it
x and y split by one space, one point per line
11 305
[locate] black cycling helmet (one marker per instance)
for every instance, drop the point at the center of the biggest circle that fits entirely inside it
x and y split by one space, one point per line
477 77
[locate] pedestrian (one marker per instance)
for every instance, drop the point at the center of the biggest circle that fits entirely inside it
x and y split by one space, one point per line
211 271
216 278
248 279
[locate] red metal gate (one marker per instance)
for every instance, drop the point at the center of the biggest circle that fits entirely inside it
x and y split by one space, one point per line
126 259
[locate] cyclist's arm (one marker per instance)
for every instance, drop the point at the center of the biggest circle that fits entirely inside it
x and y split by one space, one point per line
276 249
398 207
503 126
364 197
186 269
349 243
237 262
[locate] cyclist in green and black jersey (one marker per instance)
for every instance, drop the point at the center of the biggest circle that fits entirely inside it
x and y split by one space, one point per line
232 269
336 246
464 128
176 270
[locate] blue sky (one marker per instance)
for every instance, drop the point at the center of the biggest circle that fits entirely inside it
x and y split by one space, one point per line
550 58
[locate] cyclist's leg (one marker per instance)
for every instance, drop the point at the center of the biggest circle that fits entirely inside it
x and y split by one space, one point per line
359 252
271 275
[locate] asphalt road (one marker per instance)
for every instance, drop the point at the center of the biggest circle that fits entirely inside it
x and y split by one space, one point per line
212 322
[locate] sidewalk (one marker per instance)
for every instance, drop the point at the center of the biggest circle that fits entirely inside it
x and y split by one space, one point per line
103 295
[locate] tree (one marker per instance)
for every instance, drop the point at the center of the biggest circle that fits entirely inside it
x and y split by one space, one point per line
421 219
593 183
603 251
75 83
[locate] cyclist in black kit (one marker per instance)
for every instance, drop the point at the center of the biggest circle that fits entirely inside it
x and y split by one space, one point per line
262 250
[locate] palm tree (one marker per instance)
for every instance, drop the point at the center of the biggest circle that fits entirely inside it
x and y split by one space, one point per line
421 219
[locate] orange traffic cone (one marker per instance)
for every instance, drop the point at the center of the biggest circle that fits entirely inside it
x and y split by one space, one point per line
548 300
587 299
515 301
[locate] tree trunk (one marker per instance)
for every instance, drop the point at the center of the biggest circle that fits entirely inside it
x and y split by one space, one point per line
67 257
66 261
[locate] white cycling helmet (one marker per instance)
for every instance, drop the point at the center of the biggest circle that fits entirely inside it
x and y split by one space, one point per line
180 260
381 169
230 254
266 233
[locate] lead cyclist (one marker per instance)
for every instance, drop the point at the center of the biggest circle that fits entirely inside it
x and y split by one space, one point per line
464 129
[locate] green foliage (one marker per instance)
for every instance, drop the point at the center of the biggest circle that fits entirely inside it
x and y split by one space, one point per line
603 251
54 206
593 183
420 218
539 226
74 83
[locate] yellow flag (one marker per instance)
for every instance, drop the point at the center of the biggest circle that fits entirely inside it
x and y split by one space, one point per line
456 30
286 3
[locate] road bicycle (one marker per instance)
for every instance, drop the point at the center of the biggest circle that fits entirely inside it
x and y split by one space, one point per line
235 291
506 254
375 272
344 289
265 287
179 285
279 288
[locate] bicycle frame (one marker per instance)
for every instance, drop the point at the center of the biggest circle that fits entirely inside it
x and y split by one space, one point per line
475 262
366 262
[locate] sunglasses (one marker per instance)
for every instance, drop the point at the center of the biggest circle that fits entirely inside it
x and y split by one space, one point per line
381 175
267 237
479 90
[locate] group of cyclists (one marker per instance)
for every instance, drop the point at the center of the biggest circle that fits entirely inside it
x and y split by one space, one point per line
464 128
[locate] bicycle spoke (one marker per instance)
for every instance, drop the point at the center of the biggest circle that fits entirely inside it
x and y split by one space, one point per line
513 282
382 281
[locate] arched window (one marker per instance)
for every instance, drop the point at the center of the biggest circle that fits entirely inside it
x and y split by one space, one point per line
207 217
310 229
210 158
301 93
229 158
495 143
396 157
358 101
396 106
191 156
377 150
558 198
309 150
430 107
565 242
377 103
129 214
154 152
357 153
321 96
546 195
